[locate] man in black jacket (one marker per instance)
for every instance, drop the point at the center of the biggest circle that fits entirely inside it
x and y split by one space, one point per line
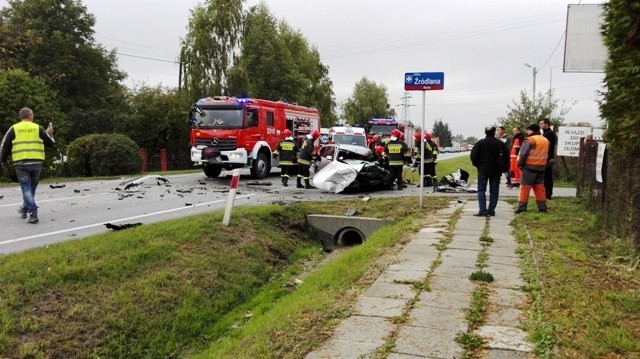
548 133
485 155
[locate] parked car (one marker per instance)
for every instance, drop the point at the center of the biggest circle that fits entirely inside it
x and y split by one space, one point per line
447 150
369 174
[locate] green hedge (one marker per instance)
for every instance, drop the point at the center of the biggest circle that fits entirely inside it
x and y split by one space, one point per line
103 155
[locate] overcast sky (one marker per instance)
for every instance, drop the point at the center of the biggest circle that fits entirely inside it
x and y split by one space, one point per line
480 45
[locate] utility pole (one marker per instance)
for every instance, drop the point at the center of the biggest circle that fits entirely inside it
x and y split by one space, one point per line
405 105
535 72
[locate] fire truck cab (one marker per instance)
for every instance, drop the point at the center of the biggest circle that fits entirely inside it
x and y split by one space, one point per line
381 127
230 132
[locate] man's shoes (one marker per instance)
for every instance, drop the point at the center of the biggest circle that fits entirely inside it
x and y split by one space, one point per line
520 210
480 214
491 214
22 212
33 219
544 210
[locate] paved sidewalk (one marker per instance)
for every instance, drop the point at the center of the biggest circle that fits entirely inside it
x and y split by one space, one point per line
417 307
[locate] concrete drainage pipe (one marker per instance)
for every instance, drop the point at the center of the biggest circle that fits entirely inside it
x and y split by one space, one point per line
349 236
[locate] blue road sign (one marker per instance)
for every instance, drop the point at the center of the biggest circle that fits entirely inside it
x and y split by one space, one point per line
423 81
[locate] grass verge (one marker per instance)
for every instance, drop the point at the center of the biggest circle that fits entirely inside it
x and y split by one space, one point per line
586 292
170 289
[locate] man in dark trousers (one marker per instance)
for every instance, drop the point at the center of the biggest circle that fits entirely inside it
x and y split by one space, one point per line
548 133
532 160
287 150
397 154
485 156
25 141
305 156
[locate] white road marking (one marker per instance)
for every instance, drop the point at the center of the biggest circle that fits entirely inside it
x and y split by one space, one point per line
117 220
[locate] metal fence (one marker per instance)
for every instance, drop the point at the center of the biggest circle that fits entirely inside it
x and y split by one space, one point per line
175 161
617 197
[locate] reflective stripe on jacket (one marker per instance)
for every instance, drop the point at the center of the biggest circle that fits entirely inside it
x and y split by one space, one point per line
305 156
27 145
287 150
396 152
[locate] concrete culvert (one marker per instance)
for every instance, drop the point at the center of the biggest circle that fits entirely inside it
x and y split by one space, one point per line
349 237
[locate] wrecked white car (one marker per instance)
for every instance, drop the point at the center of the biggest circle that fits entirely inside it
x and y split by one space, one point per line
349 167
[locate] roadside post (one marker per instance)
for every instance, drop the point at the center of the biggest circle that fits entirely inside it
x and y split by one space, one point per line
231 198
423 81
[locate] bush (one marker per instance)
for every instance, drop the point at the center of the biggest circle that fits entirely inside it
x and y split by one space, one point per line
103 155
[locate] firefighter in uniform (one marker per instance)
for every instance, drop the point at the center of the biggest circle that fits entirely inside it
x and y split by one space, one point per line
532 160
378 157
397 154
305 156
287 150
430 161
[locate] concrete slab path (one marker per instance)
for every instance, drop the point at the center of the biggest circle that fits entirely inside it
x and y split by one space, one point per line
417 308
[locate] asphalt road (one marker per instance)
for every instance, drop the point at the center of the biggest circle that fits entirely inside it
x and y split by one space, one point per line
74 210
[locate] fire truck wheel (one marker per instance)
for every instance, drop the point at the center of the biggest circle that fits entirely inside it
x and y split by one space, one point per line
212 171
260 167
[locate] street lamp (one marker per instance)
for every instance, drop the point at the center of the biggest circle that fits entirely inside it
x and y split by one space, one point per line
535 72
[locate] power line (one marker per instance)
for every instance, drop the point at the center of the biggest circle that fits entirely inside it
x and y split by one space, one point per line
148 58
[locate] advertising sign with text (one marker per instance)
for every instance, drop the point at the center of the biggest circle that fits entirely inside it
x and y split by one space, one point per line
569 140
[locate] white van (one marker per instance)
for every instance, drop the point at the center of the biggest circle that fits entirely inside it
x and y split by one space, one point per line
348 135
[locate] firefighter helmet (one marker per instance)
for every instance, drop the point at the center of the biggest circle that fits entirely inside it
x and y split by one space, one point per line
286 133
427 136
396 133
379 150
315 134
417 136
376 138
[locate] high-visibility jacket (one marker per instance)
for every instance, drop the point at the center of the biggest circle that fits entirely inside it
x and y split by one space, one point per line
514 171
397 153
534 153
306 153
27 145
287 150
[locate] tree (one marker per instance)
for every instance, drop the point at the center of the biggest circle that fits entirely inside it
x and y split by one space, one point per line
471 140
277 63
17 90
620 107
369 100
317 87
53 40
523 113
210 46
157 119
441 130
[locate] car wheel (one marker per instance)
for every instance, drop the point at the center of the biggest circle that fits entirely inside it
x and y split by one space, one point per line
260 167
212 171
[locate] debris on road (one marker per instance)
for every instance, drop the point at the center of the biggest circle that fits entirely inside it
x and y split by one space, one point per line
119 227
351 212
258 183
57 185
133 184
455 182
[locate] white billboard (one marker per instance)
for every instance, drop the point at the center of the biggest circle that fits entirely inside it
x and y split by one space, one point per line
584 50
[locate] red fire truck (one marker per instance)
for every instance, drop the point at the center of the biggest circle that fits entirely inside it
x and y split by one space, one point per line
384 126
230 132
